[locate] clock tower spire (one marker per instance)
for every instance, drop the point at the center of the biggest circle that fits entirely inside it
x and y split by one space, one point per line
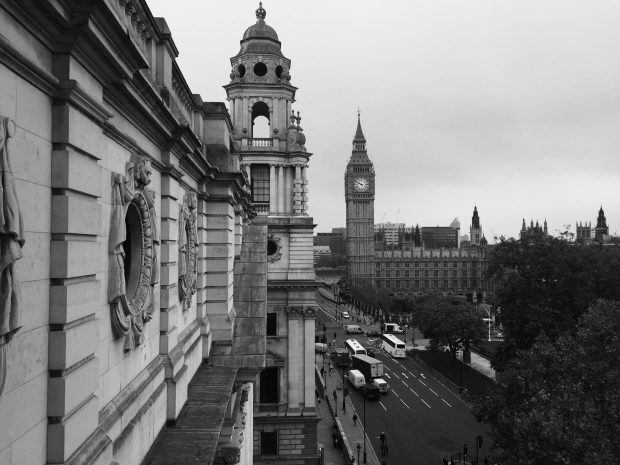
359 191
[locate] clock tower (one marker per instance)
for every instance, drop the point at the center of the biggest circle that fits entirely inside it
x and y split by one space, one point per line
359 192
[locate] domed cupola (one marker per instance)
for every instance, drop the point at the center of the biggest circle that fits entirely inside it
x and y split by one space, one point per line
260 58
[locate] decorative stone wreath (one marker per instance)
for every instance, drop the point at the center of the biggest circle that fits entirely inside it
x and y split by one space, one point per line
274 250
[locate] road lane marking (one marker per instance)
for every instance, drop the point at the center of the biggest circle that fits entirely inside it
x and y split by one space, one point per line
380 403
414 392
422 375
446 402
425 403
406 377
422 382
397 377
433 392
404 403
404 383
395 393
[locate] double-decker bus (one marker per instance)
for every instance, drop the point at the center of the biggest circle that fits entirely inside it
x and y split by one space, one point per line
393 346
354 347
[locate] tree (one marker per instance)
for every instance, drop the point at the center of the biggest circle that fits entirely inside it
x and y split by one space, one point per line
449 320
558 402
546 284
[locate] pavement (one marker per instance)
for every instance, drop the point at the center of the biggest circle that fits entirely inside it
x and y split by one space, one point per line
353 432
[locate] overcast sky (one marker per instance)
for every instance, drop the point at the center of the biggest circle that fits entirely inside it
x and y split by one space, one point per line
513 106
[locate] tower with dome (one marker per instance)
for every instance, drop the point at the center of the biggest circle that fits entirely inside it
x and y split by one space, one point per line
268 133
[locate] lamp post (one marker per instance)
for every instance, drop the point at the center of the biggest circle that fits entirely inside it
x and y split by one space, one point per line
488 310
358 451
364 427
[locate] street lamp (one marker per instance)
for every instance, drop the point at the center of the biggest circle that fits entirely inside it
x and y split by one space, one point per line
358 451
364 427
488 310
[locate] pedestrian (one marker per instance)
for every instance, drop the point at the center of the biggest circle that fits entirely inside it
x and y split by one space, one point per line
385 448
445 460
334 343
452 461
486 460
330 368
335 395
323 372
382 450
382 437
355 422
465 451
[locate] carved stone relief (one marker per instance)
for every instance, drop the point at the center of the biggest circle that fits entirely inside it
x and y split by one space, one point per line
274 250
134 238
188 250
11 243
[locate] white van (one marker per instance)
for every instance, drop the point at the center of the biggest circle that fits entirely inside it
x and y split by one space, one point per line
381 384
356 378
353 329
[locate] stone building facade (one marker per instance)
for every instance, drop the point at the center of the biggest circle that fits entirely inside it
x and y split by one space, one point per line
136 328
260 88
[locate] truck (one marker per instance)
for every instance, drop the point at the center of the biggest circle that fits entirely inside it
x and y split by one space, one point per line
370 367
392 328
341 357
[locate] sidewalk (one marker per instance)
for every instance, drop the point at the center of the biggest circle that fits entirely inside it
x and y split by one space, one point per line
353 434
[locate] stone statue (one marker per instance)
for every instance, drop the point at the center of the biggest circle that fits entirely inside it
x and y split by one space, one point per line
11 243
188 250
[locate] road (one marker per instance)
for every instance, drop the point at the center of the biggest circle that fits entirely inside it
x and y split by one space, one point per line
422 419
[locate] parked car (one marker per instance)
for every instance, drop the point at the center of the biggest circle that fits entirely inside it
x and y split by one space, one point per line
345 315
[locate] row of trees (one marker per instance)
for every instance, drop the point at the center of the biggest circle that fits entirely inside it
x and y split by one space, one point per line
558 393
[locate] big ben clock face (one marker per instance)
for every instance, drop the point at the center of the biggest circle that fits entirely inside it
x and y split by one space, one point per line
361 184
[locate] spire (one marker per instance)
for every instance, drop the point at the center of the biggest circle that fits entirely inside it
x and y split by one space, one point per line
475 220
260 12
359 135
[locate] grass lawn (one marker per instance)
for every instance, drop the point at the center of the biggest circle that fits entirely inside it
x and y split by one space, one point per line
476 383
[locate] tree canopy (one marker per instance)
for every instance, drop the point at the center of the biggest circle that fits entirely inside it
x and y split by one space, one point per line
449 320
558 402
546 284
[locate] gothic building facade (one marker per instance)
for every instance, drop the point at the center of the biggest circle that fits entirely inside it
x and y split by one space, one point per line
152 282
359 191
422 259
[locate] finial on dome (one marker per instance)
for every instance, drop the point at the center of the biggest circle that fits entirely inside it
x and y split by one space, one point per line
260 12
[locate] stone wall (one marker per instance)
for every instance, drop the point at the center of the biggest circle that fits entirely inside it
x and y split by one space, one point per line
103 112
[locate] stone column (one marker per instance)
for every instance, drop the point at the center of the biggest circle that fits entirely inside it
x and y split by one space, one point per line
295 359
308 344
238 233
273 190
304 184
75 256
201 282
170 310
297 192
281 188
220 250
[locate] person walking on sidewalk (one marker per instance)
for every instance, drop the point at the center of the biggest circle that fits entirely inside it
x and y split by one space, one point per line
354 419
330 368
445 460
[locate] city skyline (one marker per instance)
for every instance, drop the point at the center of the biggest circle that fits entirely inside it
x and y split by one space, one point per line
512 108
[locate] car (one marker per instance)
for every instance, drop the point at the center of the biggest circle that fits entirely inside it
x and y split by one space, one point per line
371 392
370 351
345 315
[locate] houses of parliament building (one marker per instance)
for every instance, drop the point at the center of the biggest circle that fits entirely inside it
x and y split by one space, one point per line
414 264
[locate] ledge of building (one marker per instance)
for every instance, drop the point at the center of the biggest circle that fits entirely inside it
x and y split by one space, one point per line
194 437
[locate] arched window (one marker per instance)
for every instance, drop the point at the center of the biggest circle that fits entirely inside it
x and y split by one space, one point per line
260 121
